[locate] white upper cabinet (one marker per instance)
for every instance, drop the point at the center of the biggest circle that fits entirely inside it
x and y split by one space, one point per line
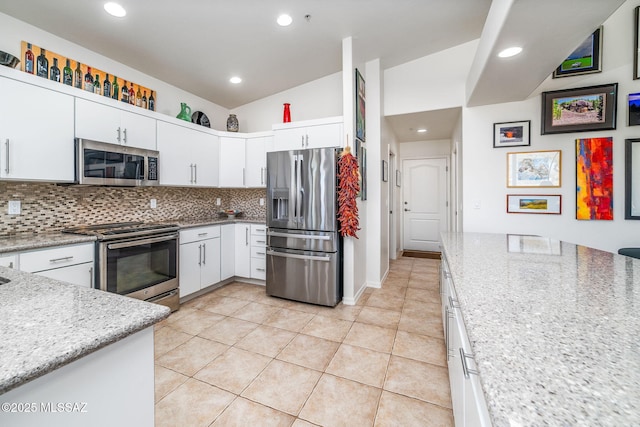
308 134
188 157
36 133
232 162
256 161
104 123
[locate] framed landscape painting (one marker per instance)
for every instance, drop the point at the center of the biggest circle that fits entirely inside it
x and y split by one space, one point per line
586 58
534 203
594 178
360 108
534 169
579 110
632 179
511 134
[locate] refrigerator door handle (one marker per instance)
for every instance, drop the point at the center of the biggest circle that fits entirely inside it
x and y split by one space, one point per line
325 258
299 236
299 189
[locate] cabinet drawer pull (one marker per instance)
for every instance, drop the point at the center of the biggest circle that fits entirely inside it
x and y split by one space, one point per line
453 303
261 253
261 241
119 137
124 139
260 269
202 234
260 230
465 368
6 159
66 258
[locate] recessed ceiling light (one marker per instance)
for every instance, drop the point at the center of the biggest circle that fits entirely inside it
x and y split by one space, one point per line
284 20
115 9
510 51
235 80
421 130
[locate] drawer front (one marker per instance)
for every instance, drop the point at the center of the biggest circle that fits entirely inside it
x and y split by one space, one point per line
199 233
81 274
258 251
62 256
260 241
258 268
258 229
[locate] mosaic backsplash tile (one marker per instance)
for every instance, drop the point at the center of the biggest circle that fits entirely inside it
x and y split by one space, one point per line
51 207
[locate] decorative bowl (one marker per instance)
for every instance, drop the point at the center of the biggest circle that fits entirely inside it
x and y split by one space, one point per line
8 59
230 213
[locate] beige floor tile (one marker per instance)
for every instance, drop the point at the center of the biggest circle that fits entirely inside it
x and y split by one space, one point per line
168 338
249 292
396 410
341 311
421 308
266 340
420 347
245 413
338 402
283 386
371 336
359 364
302 423
424 381
276 302
228 331
225 290
223 305
427 324
401 283
392 290
196 321
255 312
399 274
307 308
387 302
177 315
194 403
166 381
426 295
191 356
291 320
310 352
233 370
327 328
363 299
379 317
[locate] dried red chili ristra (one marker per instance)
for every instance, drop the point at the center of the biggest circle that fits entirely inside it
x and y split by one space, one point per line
348 189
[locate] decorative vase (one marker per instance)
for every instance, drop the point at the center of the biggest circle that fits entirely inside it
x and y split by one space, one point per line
185 112
286 118
232 123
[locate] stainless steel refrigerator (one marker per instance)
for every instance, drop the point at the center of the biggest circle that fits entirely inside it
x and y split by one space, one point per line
304 261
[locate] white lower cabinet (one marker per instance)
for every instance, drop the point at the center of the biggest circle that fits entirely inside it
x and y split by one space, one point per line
71 263
258 251
8 260
242 250
227 252
467 396
199 265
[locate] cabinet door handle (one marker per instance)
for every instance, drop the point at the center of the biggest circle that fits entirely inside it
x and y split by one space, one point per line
66 258
125 135
6 159
302 141
453 303
262 176
11 264
195 173
244 177
465 368
306 137
199 254
204 253
91 277
246 236
191 173
119 137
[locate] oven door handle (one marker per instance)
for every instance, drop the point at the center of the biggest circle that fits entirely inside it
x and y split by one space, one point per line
138 242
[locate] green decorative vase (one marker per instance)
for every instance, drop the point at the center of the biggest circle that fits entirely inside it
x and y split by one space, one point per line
185 112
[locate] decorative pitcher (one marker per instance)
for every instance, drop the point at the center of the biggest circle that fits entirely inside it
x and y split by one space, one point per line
185 112
232 123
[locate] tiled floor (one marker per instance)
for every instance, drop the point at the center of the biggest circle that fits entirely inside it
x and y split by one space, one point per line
236 357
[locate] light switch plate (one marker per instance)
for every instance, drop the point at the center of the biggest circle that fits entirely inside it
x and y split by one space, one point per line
153 203
14 207
218 201
261 201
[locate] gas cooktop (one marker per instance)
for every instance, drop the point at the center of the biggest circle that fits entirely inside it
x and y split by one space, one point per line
116 230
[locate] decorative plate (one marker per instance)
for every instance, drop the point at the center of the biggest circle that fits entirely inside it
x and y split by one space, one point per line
200 118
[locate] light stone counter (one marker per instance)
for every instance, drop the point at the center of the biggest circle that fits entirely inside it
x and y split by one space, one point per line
27 242
554 328
46 324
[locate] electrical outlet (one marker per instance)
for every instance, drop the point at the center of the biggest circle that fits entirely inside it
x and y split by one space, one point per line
153 203
261 201
218 201
14 207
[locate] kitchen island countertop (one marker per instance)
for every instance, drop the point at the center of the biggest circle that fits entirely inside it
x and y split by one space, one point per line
46 324
554 328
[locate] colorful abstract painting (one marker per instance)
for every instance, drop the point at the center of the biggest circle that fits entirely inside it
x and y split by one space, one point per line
594 178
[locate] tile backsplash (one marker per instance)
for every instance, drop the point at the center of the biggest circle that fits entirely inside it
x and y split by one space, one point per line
51 207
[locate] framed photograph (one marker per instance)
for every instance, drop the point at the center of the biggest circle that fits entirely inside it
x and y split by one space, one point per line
636 44
385 171
534 203
632 179
360 108
634 109
534 169
594 178
398 176
512 134
586 58
530 244
363 173
579 110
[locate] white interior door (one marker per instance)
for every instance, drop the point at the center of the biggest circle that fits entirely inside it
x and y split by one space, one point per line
424 203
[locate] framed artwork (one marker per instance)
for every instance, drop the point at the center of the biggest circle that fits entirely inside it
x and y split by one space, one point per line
360 108
579 110
632 179
586 58
636 44
512 134
534 169
363 173
358 145
530 244
534 203
634 109
398 176
385 171
594 178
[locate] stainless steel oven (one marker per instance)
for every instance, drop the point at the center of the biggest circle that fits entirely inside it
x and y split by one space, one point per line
137 260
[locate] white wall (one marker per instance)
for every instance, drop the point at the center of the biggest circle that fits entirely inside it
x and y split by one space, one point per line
317 99
433 82
484 170
168 99
434 148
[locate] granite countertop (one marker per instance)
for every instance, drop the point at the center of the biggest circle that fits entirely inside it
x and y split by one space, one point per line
554 328
46 324
199 222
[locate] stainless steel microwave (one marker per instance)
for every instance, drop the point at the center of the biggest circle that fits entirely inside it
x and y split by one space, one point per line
100 163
